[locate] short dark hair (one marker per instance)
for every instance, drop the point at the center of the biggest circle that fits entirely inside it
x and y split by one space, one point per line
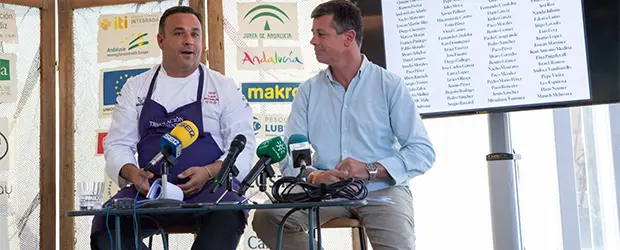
175 10
346 16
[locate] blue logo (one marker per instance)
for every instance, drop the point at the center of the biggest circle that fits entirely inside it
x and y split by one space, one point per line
113 82
269 91
256 125
255 243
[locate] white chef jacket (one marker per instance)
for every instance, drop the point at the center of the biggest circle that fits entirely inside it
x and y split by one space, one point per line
225 114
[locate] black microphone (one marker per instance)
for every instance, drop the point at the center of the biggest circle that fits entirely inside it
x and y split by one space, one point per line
236 146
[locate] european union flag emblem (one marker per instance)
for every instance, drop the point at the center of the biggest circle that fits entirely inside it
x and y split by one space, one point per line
113 82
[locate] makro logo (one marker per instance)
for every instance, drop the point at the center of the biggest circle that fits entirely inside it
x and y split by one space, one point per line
117 23
269 92
269 12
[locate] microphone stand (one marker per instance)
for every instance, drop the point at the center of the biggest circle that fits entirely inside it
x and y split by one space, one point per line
168 161
266 173
229 175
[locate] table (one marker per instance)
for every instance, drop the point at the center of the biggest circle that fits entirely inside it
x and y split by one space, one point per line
312 207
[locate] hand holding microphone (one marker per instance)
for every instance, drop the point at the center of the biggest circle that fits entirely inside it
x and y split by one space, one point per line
181 136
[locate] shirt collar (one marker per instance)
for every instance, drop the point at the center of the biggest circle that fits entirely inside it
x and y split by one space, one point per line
162 72
362 68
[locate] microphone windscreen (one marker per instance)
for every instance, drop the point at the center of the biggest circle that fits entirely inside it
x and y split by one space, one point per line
186 132
274 148
297 138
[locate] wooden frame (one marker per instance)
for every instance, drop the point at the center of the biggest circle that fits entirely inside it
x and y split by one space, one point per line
215 22
30 3
67 91
47 119
66 97
47 143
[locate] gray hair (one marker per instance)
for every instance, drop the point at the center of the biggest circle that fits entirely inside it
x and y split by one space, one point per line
346 16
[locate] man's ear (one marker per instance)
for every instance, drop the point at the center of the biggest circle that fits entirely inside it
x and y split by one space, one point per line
349 37
160 40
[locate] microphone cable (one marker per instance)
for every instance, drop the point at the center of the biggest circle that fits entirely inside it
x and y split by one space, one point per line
286 190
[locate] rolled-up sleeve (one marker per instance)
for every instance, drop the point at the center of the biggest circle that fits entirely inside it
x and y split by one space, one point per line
416 155
236 118
123 136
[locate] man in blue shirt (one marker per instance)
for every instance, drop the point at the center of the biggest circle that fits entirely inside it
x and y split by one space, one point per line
363 124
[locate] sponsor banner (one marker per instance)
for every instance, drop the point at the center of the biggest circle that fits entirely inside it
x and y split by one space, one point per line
128 36
4 144
269 92
254 58
8 26
267 126
266 20
112 81
249 240
8 78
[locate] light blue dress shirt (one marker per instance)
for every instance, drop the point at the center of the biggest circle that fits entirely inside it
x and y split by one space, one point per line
374 120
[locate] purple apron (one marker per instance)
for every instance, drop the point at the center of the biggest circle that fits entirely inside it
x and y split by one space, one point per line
154 122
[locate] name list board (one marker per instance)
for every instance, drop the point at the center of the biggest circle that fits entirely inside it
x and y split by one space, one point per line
472 55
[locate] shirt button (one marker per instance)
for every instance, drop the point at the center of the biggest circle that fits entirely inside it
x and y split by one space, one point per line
157 99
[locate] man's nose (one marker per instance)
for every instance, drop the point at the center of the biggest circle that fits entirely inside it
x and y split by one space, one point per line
187 40
313 40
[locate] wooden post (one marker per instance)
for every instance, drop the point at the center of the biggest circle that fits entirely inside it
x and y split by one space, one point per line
29 3
199 5
47 143
215 28
66 106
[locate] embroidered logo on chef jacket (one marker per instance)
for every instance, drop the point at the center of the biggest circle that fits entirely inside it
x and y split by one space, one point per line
170 123
140 101
211 98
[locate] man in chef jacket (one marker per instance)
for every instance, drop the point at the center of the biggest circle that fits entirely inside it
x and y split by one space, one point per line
153 103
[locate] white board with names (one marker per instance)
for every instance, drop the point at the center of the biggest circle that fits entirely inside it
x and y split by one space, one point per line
459 55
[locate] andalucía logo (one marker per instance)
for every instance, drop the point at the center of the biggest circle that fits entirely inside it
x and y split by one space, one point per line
136 40
268 20
266 10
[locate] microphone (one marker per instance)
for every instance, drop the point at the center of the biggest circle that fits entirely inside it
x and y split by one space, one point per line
236 146
300 151
171 144
270 151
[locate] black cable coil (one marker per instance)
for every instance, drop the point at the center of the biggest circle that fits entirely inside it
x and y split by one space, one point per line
286 190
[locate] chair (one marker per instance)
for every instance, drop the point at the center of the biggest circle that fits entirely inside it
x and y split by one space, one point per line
333 223
349 223
175 230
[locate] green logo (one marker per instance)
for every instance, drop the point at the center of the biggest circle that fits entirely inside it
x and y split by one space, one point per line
266 10
5 70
